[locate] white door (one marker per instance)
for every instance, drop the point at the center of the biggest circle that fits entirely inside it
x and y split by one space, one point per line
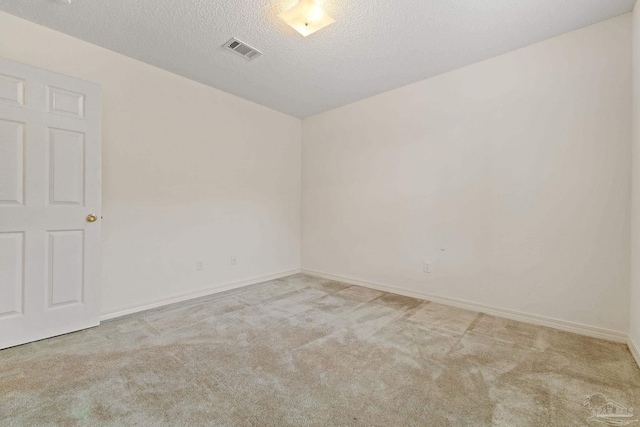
49 187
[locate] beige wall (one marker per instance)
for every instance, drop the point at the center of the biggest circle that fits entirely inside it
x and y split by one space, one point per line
635 226
189 172
510 176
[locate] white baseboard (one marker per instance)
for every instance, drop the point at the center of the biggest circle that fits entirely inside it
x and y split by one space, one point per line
563 325
635 351
197 294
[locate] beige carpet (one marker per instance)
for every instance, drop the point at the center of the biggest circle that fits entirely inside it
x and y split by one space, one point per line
303 351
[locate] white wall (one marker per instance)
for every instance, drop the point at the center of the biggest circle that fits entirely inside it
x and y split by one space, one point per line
189 172
635 224
518 167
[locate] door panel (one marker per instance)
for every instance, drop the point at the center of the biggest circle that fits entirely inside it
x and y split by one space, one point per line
49 183
11 162
65 102
11 273
66 267
11 90
66 167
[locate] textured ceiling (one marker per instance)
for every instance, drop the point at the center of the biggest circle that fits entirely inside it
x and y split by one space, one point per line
374 46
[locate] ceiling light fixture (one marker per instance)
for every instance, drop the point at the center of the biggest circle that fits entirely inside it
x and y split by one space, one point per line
306 17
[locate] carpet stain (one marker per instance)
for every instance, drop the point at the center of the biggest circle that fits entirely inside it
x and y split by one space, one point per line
82 414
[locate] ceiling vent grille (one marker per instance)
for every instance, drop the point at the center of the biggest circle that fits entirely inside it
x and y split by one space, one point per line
243 49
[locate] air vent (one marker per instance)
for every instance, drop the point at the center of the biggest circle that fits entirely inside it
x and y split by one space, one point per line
242 48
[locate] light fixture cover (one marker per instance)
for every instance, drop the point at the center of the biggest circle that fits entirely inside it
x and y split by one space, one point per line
306 17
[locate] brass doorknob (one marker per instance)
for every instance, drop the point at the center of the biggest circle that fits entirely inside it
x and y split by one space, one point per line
92 218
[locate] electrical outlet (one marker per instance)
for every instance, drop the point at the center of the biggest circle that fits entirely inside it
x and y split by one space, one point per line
199 265
426 267
234 260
